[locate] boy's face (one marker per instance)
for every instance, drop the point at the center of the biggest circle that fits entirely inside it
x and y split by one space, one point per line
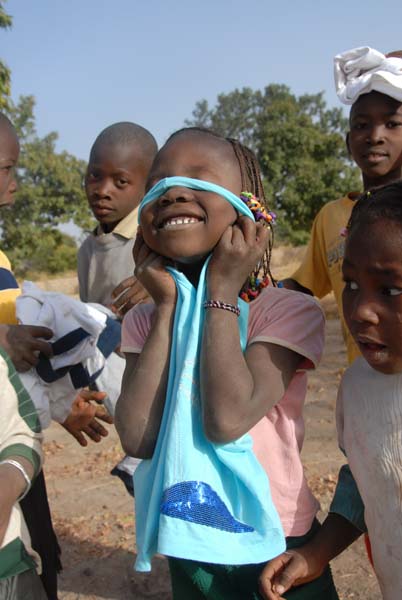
375 138
9 152
372 297
114 182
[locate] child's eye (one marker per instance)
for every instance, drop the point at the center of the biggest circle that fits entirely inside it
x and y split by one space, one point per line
392 291
393 124
351 286
358 126
121 182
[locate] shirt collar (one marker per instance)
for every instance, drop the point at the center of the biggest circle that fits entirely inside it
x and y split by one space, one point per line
127 227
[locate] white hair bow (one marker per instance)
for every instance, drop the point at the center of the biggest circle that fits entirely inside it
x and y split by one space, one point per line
363 70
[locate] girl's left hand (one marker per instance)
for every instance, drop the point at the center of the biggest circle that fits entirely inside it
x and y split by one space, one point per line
235 256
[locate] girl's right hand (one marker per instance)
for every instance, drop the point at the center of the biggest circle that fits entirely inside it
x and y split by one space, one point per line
151 272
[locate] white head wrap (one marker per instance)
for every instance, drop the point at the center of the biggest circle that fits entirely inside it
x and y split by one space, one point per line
363 70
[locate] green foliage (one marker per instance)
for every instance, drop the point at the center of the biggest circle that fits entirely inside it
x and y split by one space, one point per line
52 252
235 115
50 193
5 75
300 145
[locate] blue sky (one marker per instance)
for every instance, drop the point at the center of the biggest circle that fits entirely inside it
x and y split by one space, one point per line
90 63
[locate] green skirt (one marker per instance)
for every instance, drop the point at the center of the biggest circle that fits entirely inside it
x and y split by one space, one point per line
193 580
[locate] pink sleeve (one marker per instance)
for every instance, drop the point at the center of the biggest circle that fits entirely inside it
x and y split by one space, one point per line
290 319
136 327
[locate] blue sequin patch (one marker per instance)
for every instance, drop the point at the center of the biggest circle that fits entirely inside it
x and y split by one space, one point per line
197 502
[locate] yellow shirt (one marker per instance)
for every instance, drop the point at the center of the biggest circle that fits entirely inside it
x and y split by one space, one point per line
321 268
9 291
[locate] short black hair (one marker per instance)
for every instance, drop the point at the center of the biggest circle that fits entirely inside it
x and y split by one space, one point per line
384 202
126 133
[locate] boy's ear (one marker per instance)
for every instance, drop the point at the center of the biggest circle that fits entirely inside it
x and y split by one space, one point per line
347 144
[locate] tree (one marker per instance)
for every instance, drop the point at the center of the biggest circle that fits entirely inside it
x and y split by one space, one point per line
5 76
300 145
50 193
235 115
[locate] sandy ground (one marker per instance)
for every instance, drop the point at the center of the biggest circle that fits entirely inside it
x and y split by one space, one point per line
93 514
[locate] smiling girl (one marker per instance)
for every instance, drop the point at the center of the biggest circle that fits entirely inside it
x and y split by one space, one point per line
215 376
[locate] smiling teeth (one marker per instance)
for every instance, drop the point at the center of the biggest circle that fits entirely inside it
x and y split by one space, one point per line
179 221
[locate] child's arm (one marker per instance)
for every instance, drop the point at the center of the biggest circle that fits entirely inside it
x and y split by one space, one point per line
238 390
306 563
12 486
140 406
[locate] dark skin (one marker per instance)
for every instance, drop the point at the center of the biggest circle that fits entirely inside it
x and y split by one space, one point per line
9 153
372 305
12 485
84 420
306 563
24 343
374 141
237 245
114 184
21 342
372 297
115 181
375 144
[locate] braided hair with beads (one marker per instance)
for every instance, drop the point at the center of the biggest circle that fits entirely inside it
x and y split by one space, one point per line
253 196
255 199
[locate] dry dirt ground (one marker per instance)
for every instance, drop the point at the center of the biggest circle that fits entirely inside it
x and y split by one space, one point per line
93 514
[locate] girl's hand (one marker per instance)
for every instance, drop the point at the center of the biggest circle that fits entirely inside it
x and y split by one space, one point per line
240 248
151 273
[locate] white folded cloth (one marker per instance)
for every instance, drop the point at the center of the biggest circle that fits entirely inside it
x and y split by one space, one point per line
363 70
85 336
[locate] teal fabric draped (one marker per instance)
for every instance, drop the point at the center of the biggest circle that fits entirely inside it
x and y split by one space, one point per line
195 499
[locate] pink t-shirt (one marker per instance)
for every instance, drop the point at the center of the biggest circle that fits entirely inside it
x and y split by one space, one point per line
295 321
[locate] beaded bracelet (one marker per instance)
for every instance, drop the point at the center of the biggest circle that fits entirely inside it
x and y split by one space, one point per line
224 305
19 466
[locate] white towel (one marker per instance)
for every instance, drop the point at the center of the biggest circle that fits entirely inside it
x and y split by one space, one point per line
90 333
363 70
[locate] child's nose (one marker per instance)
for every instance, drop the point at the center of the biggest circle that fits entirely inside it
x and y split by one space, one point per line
12 188
103 188
175 194
365 310
376 134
